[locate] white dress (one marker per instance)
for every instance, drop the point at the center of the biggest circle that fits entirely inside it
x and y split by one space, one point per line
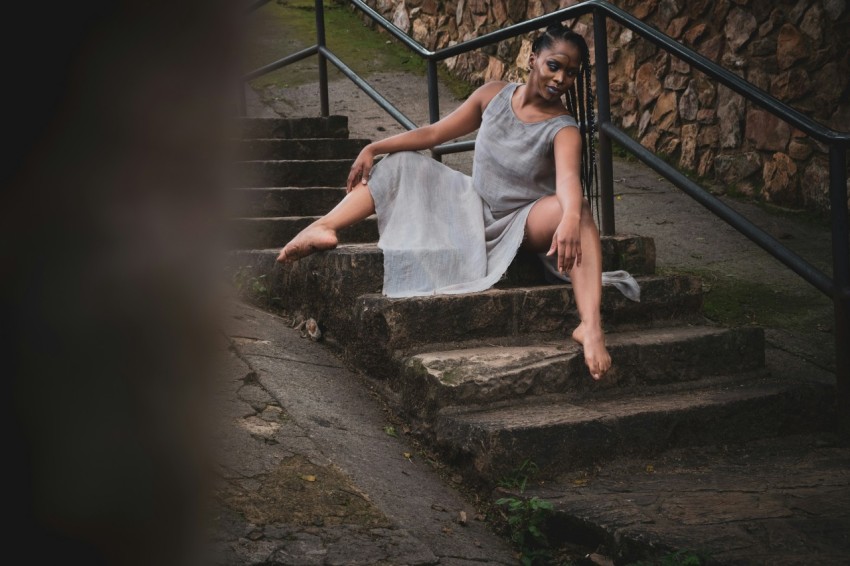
443 232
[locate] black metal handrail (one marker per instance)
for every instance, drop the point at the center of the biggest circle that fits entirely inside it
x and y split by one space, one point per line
836 287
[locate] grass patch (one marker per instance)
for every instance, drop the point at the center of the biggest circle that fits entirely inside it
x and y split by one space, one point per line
284 27
736 302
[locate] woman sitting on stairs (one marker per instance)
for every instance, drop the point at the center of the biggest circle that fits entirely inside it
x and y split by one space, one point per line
532 181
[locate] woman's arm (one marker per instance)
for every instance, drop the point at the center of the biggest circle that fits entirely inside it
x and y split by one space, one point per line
566 242
465 119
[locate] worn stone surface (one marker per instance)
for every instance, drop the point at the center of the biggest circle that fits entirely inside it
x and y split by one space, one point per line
397 324
301 127
780 181
736 167
294 173
250 149
561 434
767 131
739 27
293 485
283 201
262 233
478 375
775 501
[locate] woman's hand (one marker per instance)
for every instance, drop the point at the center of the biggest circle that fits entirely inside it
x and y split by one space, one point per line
361 169
566 243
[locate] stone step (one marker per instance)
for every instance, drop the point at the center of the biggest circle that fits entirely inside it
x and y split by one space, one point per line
293 173
405 323
432 380
635 254
284 201
316 148
560 434
275 232
293 128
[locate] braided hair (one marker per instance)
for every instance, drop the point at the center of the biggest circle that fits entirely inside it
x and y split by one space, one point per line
580 102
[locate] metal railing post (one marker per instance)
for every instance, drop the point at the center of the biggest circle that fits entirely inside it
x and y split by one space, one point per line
606 165
323 64
841 278
433 99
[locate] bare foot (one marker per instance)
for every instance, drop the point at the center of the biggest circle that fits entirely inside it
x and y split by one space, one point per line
596 355
313 238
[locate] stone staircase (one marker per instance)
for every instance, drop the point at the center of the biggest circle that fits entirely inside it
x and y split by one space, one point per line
491 379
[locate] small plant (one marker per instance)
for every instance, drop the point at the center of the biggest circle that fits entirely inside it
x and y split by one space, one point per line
253 287
525 518
518 478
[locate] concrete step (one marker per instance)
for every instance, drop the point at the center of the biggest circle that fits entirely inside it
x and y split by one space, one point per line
432 380
316 148
275 232
293 173
293 128
560 434
402 324
283 201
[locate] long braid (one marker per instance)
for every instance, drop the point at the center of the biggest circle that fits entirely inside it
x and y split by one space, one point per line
580 102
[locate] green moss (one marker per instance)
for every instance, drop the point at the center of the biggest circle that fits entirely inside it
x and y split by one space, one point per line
735 302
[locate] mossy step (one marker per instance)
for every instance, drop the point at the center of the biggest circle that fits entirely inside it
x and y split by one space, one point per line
560 434
432 380
292 128
316 148
275 232
283 201
293 173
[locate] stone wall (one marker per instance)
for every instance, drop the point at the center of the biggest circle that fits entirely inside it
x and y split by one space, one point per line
797 50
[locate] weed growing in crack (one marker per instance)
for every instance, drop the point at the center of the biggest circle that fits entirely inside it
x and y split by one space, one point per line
525 518
254 288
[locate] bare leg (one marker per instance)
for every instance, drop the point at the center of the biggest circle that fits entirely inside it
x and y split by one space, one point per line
321 234
586 278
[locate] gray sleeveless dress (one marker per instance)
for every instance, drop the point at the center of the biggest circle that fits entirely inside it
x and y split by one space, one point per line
443 232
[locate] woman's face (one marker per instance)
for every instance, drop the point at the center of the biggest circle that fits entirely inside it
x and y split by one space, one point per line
554 69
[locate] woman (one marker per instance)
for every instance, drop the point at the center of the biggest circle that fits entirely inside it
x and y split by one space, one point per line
442 232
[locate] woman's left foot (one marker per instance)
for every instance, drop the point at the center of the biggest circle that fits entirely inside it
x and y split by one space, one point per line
596 355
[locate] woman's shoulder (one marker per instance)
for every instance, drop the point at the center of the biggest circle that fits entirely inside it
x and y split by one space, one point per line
488 91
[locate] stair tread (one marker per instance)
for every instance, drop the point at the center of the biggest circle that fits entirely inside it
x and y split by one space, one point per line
483 363
548 412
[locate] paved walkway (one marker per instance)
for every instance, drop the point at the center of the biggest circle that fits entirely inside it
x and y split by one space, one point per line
314 471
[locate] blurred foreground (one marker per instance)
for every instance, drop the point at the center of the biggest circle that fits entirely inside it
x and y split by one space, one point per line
110 230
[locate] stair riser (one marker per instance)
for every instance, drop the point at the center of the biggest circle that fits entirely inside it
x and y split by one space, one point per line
259 203
293 128
558 449
271 149
260 233
636 365
301 289
328 173
402 324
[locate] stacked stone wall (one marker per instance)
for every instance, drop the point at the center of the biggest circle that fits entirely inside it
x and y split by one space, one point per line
796 50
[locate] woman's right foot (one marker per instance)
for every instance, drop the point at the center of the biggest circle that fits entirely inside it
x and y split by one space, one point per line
310 240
